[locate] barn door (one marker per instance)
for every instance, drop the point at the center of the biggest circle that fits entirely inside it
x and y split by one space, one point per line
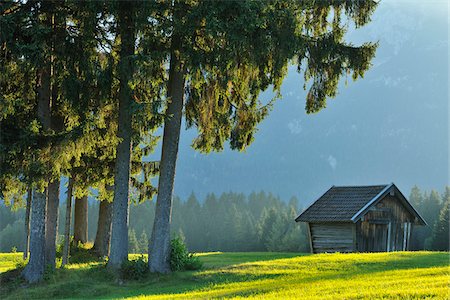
380 238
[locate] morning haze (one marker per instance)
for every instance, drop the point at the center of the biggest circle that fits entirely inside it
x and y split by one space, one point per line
392 126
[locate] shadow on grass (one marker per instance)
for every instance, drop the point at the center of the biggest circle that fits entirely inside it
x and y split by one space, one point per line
59 283
96 281
343 269
10 276
11 280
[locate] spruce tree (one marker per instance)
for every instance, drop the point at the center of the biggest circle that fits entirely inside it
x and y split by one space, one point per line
416 197
431 215
418 233
143 242
133 243
127 33
139 74
230 51
440 235
34 270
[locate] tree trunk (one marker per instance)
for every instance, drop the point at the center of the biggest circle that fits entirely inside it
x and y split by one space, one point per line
119 234
80 226
34 271
51 227
103 236
56 124
27 223
65 259
159 247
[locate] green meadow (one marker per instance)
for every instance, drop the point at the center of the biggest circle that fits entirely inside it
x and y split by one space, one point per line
397 275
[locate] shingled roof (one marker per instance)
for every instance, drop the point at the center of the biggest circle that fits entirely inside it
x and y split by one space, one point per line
349 203
340 203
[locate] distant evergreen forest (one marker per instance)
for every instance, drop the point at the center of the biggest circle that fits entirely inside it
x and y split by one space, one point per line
236 222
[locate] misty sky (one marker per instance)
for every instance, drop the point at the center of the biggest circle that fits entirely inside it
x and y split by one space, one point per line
391 126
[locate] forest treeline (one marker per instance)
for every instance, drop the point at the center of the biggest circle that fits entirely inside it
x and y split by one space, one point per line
229 222
237 222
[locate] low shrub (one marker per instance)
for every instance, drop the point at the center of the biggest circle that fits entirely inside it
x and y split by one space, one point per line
134 269
180 258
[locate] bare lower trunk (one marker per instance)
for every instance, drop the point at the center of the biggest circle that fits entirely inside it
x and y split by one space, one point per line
51 226
80 227
159 247
27 224
119 234
65 259
103 236
34 270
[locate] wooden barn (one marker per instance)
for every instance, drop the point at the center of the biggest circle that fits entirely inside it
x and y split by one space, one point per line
374 218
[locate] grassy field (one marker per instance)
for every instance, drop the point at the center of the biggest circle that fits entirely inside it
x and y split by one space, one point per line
398 275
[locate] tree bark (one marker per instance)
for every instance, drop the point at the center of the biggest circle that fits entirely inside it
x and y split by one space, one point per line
119 234
27 224
34 271
56 124
103 236
159 247
51 227
80 226
65 259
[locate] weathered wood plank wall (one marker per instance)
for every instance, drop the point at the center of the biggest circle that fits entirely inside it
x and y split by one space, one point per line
332 237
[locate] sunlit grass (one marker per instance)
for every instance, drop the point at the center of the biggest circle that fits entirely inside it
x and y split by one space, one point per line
398 275
9 261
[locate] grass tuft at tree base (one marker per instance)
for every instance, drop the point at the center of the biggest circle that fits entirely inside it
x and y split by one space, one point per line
134 269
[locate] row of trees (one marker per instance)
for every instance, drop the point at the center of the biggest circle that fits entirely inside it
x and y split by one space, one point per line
434 208
235 222
84 85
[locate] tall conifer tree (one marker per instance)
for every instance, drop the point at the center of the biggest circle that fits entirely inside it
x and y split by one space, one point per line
224 54
441 235
127 32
